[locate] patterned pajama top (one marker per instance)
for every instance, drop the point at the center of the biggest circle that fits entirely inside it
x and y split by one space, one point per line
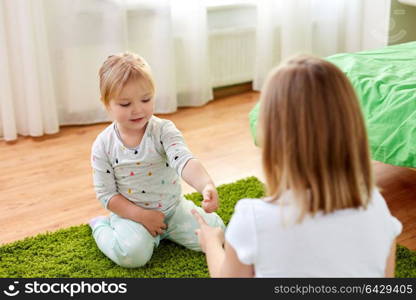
148 175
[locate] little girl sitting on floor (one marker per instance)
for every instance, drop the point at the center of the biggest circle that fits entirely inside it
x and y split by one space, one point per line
137 163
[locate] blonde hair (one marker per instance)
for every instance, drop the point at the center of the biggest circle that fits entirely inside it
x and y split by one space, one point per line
118 69
314 140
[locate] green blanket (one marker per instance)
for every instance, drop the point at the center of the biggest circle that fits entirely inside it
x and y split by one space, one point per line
385 82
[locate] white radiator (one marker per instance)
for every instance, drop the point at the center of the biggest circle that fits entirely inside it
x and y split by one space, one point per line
231 54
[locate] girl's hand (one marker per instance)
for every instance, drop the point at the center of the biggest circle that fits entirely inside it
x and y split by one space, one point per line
153 220
210 202
207 235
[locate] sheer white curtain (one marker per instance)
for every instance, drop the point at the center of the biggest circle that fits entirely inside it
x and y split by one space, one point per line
172 36
81 35
51 52
27 92
320 27
191 45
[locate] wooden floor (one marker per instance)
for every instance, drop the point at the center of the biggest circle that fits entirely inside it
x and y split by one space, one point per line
45 183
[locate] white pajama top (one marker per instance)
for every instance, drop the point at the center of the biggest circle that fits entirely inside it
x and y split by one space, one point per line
149 174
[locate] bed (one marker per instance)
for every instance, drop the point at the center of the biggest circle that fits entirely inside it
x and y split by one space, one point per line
385 82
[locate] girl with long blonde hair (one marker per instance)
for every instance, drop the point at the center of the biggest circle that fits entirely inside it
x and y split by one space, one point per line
323 215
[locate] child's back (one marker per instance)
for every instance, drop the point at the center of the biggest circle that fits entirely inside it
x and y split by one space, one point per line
345 243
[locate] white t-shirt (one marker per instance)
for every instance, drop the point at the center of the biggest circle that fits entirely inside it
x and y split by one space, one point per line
149 174
346 243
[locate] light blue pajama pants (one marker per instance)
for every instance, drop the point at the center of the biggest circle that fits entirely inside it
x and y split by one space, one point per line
130 245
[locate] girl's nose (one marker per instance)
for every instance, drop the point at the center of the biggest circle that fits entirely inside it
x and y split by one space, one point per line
137 108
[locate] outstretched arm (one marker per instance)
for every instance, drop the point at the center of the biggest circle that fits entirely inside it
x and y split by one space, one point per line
196 176
181 159
391 261
222 262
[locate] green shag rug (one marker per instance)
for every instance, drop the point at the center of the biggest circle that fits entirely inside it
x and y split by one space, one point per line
72 252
